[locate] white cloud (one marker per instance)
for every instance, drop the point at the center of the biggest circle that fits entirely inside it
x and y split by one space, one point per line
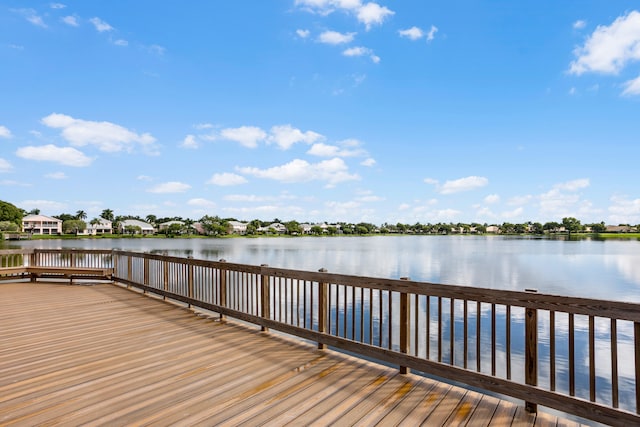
189 141
248 136
286 135
169 187
431 181
50 153
121 42
5 132
106 136
57 6
443 215
247 198
144 178
361 51
632 87
5 166
373 13
332 171
356 51
202 126
519 200
574 185
70 20
226 179
463 184
516 213
303 34
326 150
609 48
334 37
199 202
432 33
370 198
491 199
413 33
564 200
100 25
624 210
31 16
56 175
157 49
257 199
325 7
368 162
323 150
579 24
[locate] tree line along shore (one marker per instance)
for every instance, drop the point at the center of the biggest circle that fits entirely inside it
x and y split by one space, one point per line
76 225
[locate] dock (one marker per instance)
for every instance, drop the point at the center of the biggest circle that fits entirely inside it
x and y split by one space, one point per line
101 354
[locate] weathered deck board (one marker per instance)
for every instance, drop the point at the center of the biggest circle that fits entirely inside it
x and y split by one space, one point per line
96 355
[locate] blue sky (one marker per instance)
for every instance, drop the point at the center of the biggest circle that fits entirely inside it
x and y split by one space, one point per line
323 110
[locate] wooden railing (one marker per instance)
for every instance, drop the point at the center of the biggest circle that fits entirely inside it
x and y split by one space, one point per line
576 355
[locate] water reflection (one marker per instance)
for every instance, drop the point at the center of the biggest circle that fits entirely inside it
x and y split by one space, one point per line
588 268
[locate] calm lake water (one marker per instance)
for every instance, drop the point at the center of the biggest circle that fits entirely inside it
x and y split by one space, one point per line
587 268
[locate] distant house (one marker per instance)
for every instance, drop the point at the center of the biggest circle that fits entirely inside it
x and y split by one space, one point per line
41 224
199 228
237 227
103 227
494 229
275 227
145 228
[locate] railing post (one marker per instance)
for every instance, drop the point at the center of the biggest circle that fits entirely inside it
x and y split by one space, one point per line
145 273
165 271
223 288
265 307
405 336
114 263
323 308
531 351
190 280
129 269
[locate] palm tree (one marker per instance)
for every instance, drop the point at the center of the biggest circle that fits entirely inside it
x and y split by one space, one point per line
35 211
152 219
81 215
107 214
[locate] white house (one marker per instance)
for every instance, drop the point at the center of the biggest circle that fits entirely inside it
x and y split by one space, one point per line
144 227
102 227
41 224
237 227
275 227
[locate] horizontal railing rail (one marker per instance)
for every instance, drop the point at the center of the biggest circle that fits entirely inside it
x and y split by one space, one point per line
576 355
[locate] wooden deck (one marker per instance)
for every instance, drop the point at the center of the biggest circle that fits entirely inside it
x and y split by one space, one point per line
103 355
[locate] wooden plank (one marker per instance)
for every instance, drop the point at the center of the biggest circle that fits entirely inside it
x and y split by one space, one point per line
446 407
485 409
